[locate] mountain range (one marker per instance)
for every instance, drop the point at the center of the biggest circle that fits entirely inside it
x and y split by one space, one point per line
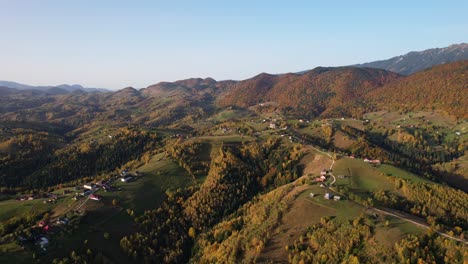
407 64
323 91
416 61
58 89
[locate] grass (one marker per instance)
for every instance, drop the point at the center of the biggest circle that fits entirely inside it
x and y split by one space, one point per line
144 193
395 231
90 235
12 208
12 253
228 115
148 191
344 209
364 177
400 173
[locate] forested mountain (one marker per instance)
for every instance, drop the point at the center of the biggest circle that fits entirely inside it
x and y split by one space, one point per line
416 61
328 92
321 91
442 87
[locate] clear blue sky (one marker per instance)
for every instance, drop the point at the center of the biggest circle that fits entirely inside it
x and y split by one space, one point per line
114 44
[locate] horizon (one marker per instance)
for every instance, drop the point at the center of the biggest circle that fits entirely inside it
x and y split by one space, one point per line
113 44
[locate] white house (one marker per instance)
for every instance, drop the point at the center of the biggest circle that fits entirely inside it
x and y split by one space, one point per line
126 179
89 186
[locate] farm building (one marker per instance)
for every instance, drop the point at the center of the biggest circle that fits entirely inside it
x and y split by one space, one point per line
62 221
328 196
126 179
373 161
89 186
312 195
336 198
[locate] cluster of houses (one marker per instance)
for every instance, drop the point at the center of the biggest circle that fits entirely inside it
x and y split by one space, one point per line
51 200
225 129
127 177
323 176
327 196
42 229
50 197
89 189
179 136
26 198
273 125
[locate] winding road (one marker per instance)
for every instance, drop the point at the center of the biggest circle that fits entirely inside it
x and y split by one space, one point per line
389 211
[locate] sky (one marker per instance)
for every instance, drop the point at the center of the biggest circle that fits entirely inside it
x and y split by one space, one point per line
115 44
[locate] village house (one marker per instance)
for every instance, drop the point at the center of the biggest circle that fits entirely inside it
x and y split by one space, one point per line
89 186
328 196
319 179
336 198
373 161
94 197
63 221
126 179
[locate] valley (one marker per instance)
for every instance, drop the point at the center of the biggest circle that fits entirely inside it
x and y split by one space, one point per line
326 165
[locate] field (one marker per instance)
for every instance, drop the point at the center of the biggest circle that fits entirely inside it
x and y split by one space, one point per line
102 217
139 195
148 191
